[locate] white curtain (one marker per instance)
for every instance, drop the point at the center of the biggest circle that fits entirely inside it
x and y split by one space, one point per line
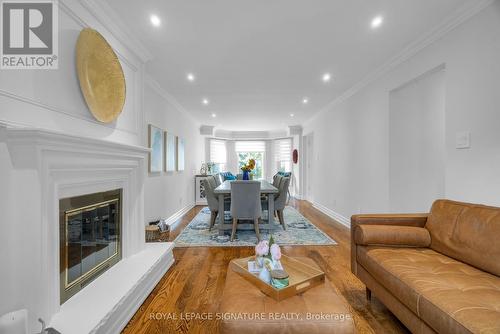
283 153
218 154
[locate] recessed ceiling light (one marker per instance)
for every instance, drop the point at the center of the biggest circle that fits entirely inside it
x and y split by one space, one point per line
377 22
292 115
305 100
214 115
326 77
155 20
205 101
190 77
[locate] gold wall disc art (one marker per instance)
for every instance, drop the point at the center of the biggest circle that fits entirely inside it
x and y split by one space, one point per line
101 76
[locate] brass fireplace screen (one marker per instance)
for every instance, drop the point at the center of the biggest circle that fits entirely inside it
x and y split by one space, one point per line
90 238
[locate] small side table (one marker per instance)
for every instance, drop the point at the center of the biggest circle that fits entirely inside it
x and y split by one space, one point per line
199 190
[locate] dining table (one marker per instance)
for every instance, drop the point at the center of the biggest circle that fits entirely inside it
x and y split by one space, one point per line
224 191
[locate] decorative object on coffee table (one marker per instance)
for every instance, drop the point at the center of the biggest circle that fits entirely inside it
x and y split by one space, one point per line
302 277
316 311
267 259
279 279
100 75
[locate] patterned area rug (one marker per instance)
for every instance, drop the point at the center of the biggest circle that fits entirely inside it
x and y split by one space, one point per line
299 231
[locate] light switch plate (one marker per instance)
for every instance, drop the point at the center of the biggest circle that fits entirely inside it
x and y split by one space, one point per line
463 140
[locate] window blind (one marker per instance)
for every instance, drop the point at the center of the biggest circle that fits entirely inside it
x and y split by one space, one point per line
282 150
218 152
250 146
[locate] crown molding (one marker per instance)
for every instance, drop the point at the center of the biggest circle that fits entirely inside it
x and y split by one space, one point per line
460 16
250 135
155 85
108 18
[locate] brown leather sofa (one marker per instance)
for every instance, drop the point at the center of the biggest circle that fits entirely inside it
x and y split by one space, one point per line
437 272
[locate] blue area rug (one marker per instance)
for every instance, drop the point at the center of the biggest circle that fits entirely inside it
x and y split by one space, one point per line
299 231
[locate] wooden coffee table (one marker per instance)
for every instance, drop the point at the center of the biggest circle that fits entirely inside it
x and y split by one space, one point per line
245 309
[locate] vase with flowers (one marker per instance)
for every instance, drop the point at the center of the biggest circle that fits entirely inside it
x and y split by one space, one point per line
267 258
246 169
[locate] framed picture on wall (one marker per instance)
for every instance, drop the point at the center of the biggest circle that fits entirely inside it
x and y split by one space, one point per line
170 152
180 154
155 138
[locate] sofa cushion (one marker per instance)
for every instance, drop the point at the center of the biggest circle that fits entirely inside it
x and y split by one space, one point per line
466 232
403 236
450 296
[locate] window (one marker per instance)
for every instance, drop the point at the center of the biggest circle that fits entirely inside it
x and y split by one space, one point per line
282 155
246 150
218 155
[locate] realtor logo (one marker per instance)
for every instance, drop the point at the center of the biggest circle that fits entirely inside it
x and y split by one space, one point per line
29 35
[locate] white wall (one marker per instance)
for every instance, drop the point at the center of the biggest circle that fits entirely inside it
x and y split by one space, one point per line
417 143
351 140
52 100
168 193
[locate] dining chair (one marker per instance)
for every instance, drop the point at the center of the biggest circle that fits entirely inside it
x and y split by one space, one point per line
280 200
217 178
276 180
245 204
213 200
276 183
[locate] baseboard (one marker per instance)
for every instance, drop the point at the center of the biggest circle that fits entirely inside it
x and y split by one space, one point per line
173 218
332 214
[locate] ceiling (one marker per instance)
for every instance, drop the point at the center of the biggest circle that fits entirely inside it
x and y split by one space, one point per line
255 61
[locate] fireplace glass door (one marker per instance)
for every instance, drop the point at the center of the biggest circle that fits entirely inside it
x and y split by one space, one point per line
90 238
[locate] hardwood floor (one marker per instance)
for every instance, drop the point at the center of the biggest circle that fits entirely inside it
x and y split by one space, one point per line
196 281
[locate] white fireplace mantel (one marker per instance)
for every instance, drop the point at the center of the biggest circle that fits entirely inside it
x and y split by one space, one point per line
49 166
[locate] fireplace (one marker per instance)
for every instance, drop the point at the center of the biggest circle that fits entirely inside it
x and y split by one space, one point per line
90 238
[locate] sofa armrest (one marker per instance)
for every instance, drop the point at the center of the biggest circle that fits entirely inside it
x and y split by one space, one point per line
387 235
413 220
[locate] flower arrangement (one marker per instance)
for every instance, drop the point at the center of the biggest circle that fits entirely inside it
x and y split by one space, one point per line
249 166
268 250
267 258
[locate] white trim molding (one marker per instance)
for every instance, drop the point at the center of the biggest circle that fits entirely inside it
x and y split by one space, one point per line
332 214
460 16
108 18
176 216
155 85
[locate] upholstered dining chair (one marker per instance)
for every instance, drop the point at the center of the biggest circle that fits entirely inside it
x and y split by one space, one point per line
217 179
276 183
278 177
212 199
280 200
276 180
245 204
